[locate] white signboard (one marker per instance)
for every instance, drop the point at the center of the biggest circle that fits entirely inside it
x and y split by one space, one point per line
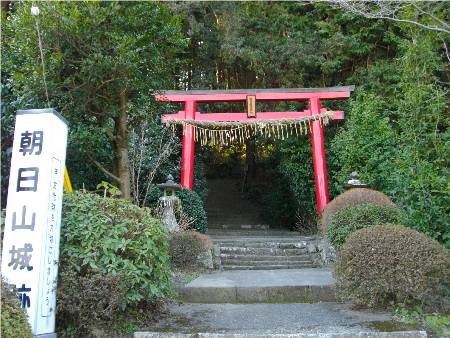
33 214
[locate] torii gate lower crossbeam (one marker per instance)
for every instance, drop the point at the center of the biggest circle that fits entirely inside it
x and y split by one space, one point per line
312 95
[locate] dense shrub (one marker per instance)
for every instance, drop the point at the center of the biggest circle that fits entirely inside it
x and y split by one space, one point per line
392 264
366 142
397 134
88 301
346 221
296 169
14 323
186 246
192 206
116 237
353 196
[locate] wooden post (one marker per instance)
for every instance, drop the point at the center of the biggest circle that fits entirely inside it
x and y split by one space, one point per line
319 159
188 148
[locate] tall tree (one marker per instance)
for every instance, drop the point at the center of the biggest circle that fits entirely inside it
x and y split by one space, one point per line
100 58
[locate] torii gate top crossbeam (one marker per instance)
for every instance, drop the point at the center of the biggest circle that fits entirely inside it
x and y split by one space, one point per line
278 94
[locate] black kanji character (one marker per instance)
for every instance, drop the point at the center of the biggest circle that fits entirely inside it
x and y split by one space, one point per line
22 179
28 142
23 297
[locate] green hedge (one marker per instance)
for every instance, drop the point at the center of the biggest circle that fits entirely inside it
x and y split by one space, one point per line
116 237
354 196
347 220
14 323
392 265
192 206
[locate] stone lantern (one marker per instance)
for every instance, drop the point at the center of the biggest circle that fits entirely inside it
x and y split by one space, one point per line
354 181
168 203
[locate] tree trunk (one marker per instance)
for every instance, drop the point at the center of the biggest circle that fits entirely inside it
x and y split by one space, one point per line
122 164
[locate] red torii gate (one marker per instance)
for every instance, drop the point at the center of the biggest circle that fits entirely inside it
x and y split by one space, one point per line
190 99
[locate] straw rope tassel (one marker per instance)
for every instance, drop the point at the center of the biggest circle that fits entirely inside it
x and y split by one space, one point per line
216 133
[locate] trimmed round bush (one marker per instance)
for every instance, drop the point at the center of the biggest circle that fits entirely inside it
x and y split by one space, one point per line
116 237
391 264
354 196
192 206
14 323
346 221
186 246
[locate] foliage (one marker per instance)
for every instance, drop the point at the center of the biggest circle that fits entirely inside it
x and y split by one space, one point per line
87 301
275 44
192 207
200 183
366 143
186 246
422 162
423 14
405 135
346 221
297 169
117 238
354 196
435 322
154 154
392 264
102 59
108 188
14 322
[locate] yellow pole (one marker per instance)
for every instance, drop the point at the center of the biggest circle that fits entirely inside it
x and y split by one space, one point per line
67 184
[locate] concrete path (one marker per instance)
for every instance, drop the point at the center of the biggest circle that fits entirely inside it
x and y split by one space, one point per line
260 286
276 320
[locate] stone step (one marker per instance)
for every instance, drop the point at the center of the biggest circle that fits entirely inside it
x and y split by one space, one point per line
218 210
304 285
232 213
268 267
262 251
274 245
264 233
267 262
238 224
262 239
279 258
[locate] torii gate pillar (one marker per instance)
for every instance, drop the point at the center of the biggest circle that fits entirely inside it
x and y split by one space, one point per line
188 147
319 159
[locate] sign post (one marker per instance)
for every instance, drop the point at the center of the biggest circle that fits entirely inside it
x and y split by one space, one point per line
33 214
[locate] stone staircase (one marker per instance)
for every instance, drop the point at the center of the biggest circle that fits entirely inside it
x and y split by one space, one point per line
275 250
243 241
275 284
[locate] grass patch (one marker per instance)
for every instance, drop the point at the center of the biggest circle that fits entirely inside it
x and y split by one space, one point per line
436 324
